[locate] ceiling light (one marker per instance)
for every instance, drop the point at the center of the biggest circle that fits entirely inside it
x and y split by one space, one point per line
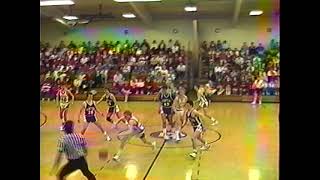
61 21
83 21
56 2
70 18
190 8
137 0
128 15
255 13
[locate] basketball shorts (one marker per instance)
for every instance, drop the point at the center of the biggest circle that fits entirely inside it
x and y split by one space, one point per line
198 128
64 105
90 119
166 111
139 132
204 104
114 109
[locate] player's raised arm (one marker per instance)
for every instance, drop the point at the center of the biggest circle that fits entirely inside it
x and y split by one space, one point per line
101 99
113 98
81 110
198 96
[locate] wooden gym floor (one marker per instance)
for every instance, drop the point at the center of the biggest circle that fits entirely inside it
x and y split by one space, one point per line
248 148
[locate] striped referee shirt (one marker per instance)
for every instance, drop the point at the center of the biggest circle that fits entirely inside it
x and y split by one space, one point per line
73 145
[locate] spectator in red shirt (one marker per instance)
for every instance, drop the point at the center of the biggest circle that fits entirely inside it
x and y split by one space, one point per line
140 86
133 85
126 91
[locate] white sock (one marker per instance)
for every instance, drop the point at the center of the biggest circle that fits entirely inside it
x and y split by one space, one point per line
178 134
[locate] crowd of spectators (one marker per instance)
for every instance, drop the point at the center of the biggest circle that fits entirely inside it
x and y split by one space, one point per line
132 67
233 70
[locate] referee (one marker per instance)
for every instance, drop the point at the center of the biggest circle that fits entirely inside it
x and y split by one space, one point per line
74 147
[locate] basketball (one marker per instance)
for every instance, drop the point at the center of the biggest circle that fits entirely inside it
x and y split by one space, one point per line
103 155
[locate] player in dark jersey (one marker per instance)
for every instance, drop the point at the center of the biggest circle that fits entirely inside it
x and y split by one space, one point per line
112 103
135 129
166 98
62 99
90 110
193 116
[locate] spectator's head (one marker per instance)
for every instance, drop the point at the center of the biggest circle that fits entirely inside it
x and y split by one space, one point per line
154 42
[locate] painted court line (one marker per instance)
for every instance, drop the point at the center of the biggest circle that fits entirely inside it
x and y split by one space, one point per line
45 119
200 155
154 160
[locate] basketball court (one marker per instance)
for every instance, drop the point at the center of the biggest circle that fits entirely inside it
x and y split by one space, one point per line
244 146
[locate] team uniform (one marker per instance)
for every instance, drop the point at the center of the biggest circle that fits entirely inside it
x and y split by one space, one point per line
180 105
90 112
195 121
64 99
204 102
113 107
166 100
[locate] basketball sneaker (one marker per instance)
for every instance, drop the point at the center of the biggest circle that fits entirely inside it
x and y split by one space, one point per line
215 122
61 128
260 102
253 103
108 138
182 134
116 158
193 154
205 147
166 137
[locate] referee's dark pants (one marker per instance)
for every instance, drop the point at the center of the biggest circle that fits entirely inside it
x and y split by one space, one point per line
74 165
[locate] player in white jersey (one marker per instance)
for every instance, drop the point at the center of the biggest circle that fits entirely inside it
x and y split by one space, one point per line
204 103
179 109
135 129
62 99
